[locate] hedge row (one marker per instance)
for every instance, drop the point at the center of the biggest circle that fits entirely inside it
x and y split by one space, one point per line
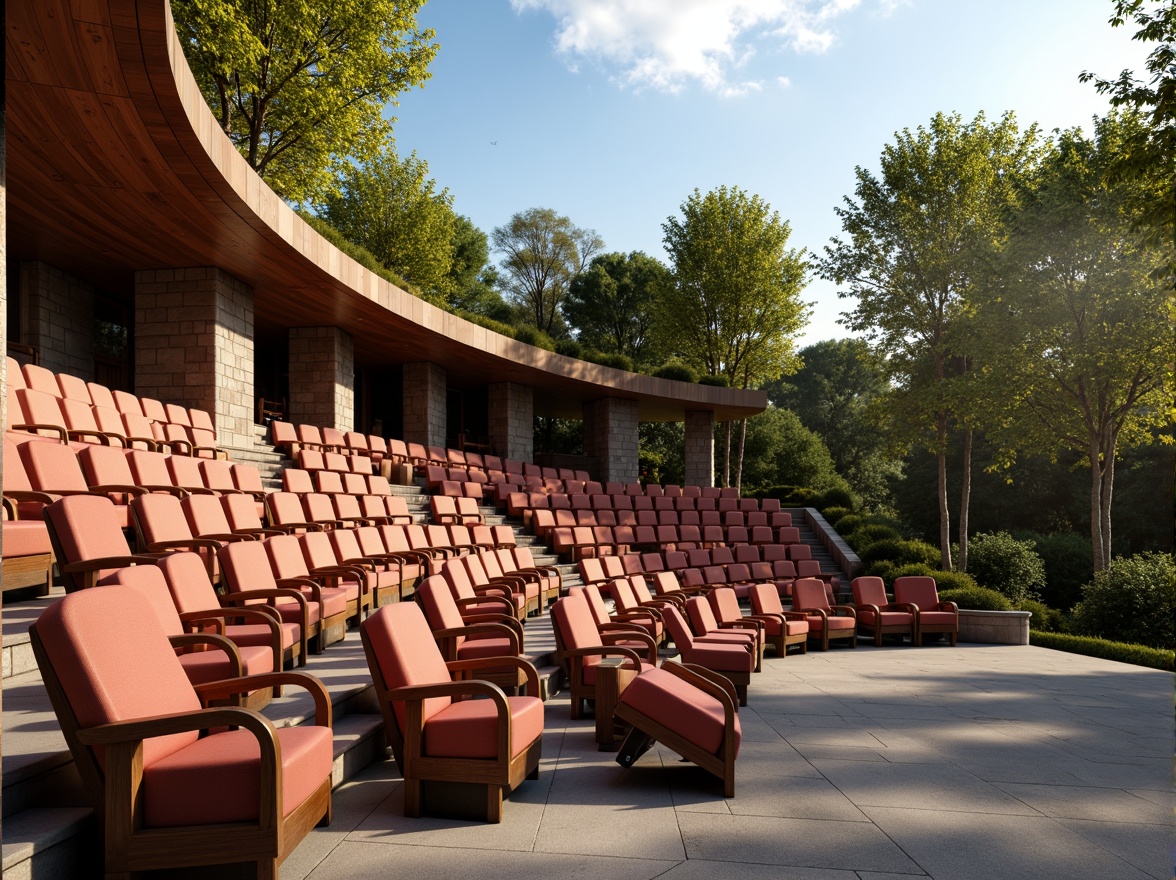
1137 655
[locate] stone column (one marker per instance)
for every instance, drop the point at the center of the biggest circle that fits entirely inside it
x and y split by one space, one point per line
512 420
194 345
57 316
425 416
700 448
322 377
610 435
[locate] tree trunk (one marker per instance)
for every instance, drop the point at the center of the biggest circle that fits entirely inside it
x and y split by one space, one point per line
727 459
965 500
1108 486
944 513
1096 529
739 466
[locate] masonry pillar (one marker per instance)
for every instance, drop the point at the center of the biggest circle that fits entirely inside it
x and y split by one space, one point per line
322 377
610 435
57 316
425 417
700 448
511 409
194 345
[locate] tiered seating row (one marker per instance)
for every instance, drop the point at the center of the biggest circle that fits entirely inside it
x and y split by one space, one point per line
65 407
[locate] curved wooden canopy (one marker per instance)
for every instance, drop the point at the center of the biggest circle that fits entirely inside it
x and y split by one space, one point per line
116 164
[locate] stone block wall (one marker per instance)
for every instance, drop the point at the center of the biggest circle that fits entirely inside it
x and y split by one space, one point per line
511 411
57 316
610 436
322 377
425 416
194 345
700 448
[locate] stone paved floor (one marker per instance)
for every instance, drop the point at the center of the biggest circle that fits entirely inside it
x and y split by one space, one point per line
979 762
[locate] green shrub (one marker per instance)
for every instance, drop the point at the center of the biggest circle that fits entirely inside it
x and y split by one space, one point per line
791 496
849 522
569 348
834 515
882 568
977 599
899 552
617 361
1137 655
837 496
718 381
1044 619
358 253
676 369
944 580
1001 562
489 323
1068 565
1133 601
868 533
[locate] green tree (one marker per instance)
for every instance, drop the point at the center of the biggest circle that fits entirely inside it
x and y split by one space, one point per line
1149 153
391 207
543 252
1078 338
301 87
611 305
734 306
920 240
783 452
472 277
838 393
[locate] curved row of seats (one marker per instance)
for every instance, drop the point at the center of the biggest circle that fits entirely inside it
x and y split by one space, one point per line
65 407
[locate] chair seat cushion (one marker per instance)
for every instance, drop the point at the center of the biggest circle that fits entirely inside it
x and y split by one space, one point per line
216 779
727 637
680 706
260 634
795 627
202 666
469 729
937 618
590 664
291 612
835 623
23 538
722 658
773 626
889 618
334 599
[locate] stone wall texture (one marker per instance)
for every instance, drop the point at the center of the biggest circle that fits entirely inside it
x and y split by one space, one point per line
194 345
425 417
700 448
322 377
511 409
57 316
610 436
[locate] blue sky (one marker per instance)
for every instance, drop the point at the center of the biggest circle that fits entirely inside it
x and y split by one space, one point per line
613 111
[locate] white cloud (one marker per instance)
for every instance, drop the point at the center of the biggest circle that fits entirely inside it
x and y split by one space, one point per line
666 44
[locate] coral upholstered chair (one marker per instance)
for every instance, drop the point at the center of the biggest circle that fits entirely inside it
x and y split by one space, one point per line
825 621
87 540
690 710
933 616
878 615
494 742
165 796
732 661
783 628
581 646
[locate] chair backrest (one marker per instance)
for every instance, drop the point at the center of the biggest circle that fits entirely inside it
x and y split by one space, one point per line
41 379
103 466
285 556
595 600
918 590
401 650
765 599
127 403
247 478
153 409
240 511
246 566
725 605
205 515
591 571
869 591
149 582
187 580
160 518
202 420
809 593
74 388
440 608
678 629
574 623
328 482
52 467
285 508
149 468
185 472
111 658
702 616
217 475
622 594
177 415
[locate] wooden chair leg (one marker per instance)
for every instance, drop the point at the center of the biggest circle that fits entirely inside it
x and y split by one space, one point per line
494 803
267 869
412 798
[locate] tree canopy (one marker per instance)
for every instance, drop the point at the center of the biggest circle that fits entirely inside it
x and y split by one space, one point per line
301 87
543 252
734 306
920 240
391 207
1077 336
611 305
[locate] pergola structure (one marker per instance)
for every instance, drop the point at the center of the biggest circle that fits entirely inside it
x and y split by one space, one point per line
131 214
